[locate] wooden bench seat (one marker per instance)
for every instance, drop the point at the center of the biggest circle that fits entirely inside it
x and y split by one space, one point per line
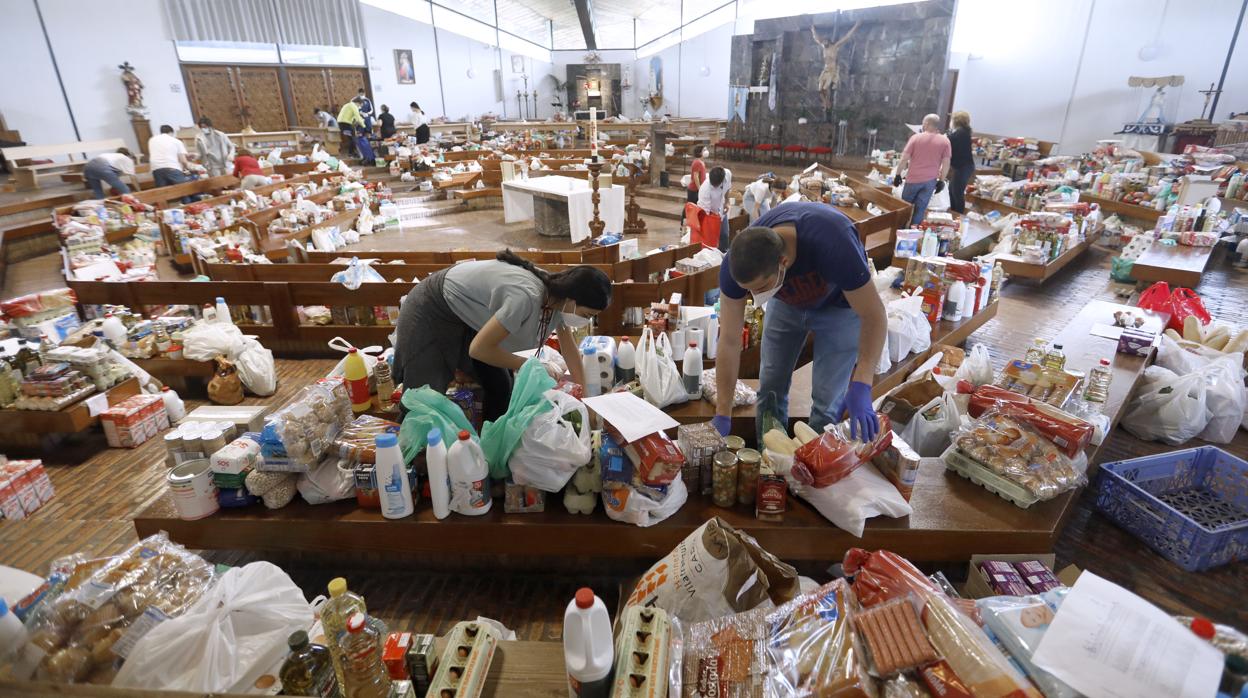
26 175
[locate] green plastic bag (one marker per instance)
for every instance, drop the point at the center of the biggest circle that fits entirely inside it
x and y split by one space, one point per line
427 409
1120 270
499 439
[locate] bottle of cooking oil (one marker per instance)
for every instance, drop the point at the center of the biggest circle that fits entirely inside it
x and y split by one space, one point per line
1055 359
308 669
1097 391
341 606
364 673
1036 352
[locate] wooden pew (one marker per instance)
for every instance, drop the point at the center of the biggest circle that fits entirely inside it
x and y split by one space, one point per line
26 175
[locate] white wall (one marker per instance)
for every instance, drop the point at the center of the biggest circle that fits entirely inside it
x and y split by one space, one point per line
89 39
1024 82
705 95
383 33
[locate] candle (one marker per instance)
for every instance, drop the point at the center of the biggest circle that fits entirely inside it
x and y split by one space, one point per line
593 132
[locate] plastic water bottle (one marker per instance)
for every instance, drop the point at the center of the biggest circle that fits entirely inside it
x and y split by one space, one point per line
1097 391
712 337
364 673
223 312
114 330
439 480
356 375
174 407
12 633
625 361
589 364
396 489
588 651
470 477
691 371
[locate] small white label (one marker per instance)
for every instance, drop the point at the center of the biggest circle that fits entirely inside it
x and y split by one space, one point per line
94 594
151 618
97 404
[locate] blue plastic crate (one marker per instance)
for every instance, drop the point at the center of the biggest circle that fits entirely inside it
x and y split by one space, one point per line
1191 505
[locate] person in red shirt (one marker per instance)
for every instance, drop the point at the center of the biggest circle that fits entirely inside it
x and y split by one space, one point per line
697 175
248 169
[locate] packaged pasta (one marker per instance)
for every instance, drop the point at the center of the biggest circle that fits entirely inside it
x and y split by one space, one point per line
1013 448
836 454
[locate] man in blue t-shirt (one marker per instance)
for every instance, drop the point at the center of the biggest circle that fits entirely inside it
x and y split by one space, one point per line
808 256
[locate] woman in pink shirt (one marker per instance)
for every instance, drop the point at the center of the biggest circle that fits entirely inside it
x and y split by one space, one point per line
925 162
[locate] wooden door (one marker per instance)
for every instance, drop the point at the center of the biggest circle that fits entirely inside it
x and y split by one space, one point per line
261 93
212 92
309 88
344 84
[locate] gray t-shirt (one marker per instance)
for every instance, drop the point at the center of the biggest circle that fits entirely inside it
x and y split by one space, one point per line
478 291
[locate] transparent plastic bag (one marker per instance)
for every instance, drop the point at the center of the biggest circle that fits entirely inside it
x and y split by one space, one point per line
1011 447
86 632
836 454
1019 623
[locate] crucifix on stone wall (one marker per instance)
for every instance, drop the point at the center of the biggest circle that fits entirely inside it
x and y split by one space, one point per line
830 76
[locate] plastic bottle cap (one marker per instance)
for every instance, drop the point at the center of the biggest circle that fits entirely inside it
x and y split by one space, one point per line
434 437
165 389
4 608
355 623
352 350
386 440
1203 628
590 350
297 639
108 315
464 435
584 597
337 586
220 299
1104 362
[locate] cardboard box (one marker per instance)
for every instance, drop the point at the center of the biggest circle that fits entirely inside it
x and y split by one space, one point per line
246 417
977 586
10 504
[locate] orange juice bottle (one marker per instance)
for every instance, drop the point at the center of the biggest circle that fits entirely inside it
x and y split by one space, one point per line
356 375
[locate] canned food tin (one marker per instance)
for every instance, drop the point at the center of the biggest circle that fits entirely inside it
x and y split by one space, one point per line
734 443
724 479
194 495
748 462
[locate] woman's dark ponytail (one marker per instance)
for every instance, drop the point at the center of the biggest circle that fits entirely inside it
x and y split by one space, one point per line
586 285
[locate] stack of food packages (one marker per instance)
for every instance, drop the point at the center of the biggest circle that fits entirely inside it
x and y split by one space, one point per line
24 487
1195 225
995 152
1040 238
53 313
200 220
932 277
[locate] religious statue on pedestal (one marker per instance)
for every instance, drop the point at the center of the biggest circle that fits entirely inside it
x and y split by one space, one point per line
830 76
134 89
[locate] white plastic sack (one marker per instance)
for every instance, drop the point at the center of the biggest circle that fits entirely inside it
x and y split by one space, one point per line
656 369
1172 412
861 495
223 643
1184 360
369 354
976 367
357 272
204 341
319 154
685 181
930 437
630 506
550 449
939 200
908 329
256 368
331 480
884 362
1224 378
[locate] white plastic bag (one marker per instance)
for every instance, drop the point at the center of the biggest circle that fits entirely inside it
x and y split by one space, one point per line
884 362
930 437
939 200
630 506
859 496
685 181
656 369
357 272
204 341
222 644
976 367
1224 378
1172 412
550 449
328 482
369 354
908 329
256 368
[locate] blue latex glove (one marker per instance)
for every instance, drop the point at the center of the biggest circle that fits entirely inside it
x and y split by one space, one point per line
863 423
722 424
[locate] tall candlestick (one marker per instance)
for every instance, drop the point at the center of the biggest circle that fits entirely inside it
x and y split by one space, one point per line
593 132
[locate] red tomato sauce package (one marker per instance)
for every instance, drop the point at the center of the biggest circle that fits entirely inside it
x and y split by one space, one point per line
1069 433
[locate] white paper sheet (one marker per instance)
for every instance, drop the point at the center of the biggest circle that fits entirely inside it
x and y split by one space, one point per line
1106 642
97 404
630 415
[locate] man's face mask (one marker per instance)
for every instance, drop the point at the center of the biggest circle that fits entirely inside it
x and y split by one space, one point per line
761 297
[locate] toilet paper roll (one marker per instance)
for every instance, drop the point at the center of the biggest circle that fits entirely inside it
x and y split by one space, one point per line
678 342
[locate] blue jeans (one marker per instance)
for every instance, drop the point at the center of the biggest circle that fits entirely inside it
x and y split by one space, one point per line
835 353
168 176
99 172
918 194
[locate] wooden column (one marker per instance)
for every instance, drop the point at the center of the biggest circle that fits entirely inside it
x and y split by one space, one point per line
633 224
596 224
658 155
142 131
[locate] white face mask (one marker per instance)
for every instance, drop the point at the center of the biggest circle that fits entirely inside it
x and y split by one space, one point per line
761 297
574 321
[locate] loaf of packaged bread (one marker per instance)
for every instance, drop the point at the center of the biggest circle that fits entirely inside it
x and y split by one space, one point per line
812 649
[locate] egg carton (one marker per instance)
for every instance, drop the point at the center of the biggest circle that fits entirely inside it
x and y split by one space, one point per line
465 661
981 475
641 651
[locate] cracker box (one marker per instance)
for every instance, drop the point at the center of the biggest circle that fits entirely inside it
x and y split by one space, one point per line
394 655
1136 342
36 475
10 504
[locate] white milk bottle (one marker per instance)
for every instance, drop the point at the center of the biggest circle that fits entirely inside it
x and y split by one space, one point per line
439 479
625 361
396 489
588 651
470 477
